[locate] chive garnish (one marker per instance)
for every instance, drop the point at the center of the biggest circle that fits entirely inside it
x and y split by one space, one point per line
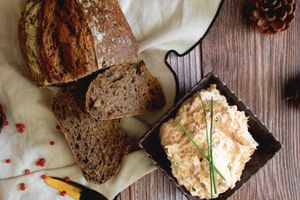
209 156
212 176
211 153
206 129
192 140
197 147
209 143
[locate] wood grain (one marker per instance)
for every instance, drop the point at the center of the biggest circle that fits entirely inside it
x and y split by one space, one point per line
256 67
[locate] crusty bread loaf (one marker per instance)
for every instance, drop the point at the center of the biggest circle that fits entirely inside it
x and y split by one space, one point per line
99 147
114 40
124 90
64 40
66 44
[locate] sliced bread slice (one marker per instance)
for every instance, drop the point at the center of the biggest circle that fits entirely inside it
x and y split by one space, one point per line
124 90
99 147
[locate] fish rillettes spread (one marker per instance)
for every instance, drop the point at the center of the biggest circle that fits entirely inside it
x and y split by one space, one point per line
232 144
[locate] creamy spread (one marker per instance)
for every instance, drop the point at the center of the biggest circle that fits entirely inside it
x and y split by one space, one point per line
232 144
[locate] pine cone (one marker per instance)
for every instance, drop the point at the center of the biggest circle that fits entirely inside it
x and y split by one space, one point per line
271 16
293 91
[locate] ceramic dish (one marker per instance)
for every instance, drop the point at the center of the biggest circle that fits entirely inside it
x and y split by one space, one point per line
268 145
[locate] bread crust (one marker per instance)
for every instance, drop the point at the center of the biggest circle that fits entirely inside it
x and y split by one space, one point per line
114 40
107 39
29 48
66 42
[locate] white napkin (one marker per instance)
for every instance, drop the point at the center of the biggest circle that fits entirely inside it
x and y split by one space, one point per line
159 25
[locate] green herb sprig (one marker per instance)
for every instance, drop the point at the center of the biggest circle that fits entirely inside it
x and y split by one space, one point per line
210 146
197 147
209 156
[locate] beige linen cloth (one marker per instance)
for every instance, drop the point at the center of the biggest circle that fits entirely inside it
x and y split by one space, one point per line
159 26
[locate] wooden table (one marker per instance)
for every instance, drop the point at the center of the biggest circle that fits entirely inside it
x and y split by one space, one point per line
256 67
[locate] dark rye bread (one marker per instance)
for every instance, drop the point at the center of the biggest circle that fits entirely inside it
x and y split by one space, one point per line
99 147
65 40
124 90
114 40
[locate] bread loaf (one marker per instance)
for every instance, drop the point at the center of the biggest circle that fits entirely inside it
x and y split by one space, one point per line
124 90
99 147
66 43
65 40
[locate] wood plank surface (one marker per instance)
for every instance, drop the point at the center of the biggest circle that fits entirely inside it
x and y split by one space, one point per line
256 67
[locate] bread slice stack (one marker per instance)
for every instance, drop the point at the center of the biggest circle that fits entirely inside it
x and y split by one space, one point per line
90 44
98 146
92 132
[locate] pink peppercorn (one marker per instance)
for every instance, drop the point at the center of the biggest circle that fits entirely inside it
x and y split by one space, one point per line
20 125
41 162
22 186
21 130
44 176
63 193
27 171
67 179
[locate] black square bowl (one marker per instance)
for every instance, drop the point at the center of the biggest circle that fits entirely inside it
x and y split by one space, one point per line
268 145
